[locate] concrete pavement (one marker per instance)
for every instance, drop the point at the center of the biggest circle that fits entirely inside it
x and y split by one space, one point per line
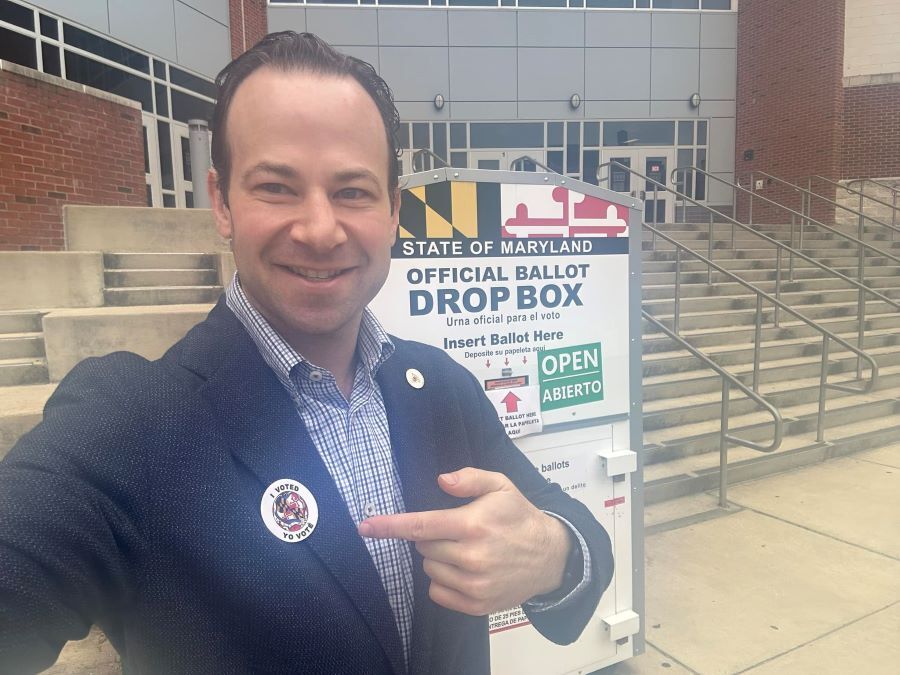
800 575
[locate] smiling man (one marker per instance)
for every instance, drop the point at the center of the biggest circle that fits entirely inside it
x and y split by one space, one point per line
370 509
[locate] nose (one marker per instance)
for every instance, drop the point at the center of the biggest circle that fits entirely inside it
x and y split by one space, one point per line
318 224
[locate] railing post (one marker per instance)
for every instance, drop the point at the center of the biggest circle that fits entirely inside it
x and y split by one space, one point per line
676 320
656 205
757 342
823 391
723 446
893 212
791 254
709 250
777 283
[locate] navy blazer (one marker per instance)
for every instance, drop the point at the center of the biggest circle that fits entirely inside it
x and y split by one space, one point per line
135 505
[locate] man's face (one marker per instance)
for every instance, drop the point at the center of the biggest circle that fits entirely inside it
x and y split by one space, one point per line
308 204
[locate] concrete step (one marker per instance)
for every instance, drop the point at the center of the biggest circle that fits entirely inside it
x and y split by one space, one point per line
165 295
700 289
660 275
130 278
21 345
747 300
21 407
17 371
158 261
20 321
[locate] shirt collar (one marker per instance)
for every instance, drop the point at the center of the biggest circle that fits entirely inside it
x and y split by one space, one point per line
373 345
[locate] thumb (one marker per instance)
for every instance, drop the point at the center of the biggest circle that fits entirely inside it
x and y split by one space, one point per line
471 482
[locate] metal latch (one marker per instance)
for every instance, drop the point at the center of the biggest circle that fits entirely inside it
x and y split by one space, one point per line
618 462
622 625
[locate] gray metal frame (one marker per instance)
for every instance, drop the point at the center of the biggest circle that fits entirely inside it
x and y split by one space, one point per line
635 392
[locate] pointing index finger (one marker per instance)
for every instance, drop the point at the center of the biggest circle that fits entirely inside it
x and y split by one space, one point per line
416 526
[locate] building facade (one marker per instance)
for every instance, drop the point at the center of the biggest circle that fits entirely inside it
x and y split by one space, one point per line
569 85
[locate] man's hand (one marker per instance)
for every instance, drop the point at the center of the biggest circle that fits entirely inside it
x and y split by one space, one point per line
494 553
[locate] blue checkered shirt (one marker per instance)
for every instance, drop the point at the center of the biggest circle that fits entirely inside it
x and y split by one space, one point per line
353 441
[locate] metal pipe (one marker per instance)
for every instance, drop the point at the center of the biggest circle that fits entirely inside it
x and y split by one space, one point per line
757 343
198 140
709 249
860 330
723 446
777 283
823 391
656 206
791 252
677 288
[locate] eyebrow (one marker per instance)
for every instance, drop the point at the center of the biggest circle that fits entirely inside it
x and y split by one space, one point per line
287 172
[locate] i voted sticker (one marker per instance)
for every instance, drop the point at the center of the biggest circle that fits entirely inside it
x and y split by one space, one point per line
289 510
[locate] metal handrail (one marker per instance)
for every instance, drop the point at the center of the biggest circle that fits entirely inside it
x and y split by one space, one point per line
728 381
847 187
874 182
529 158
426 152
806 202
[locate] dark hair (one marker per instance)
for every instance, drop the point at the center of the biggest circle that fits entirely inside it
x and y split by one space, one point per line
306 52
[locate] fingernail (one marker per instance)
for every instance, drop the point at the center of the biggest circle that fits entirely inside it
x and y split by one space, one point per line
365 529
450 478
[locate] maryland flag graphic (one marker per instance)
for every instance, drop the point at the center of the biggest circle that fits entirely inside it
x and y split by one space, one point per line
451 210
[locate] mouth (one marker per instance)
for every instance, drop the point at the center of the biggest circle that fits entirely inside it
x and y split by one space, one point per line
315 275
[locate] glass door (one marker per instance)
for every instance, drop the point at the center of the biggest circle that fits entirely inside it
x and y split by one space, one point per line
654 164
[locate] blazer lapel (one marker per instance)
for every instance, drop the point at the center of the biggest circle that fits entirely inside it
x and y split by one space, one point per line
420 460
268 437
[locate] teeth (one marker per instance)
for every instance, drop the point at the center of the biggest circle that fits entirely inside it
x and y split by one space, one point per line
314 274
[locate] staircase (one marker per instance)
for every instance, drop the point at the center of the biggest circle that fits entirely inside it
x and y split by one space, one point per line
160 279
22 359
682 398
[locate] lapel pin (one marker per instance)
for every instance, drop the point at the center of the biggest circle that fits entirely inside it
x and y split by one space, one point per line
415 378
289 510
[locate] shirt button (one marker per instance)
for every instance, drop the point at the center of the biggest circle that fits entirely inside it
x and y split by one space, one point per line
315 376
369 510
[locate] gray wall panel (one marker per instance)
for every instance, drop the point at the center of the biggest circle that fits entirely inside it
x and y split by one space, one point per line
717 109
207 55
367 54
676 29
719 193
552 110
287 18
484 111
412 27
415 73
414 110
672 109
721 144
617 73
482 28
718 30
148 25
482 74
617 29
673 73
547 73
551 28
214 9
718 73
338 26
90 13
616 109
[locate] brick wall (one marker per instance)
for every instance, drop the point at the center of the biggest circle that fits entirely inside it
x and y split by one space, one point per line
249 24
789 95
60 146
871 131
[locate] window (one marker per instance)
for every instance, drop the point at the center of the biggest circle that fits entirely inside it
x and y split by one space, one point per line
95 74
102 47
17 48
638 133
507 135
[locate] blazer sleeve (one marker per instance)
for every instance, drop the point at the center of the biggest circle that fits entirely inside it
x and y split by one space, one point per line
565 623
67 491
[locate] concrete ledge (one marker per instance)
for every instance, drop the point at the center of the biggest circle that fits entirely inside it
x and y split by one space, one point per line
71 335
50 279
10 67
870 80
129 229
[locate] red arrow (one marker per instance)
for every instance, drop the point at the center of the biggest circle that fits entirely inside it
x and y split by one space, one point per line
512 402
487 363
506 362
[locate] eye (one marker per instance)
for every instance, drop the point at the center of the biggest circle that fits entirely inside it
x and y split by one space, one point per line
274 188
352 193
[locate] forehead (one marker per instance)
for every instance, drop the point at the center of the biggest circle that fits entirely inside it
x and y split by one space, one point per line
294 108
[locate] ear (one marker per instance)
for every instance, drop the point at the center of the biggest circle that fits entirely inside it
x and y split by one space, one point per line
395 216
221 212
